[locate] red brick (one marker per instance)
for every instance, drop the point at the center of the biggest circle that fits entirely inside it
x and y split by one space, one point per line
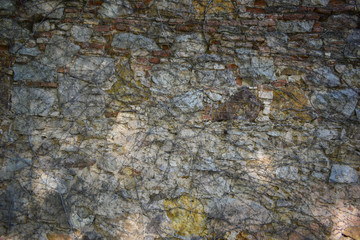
317 27
305 9
337 2
279 83
260 3
293 16
312 16
232 66
239 81
255 10
43 34
163 53
95 3
141 60
42 84
323 10
184 28
102 28
154 60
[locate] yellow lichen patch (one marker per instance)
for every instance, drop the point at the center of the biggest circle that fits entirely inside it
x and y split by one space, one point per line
187 216
216 7
58 236
290 102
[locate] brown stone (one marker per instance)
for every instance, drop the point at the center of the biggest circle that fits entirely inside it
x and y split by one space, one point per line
352 232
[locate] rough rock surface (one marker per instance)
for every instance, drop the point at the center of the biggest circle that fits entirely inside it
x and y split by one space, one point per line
168 119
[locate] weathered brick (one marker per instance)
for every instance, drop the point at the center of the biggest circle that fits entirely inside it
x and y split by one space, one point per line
95 3
259 3
102 28
255 10
154 60
162 53
279 83
293 16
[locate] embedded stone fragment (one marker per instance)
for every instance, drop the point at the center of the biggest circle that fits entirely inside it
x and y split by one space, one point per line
343 174
81 34
295 26
325 76
7 5
336 102
77 98
316 2
287 173
32 101
352 77
50 9
34 72
115 8
23 50
59 51
133 41
352 48
9 29
190 101
255 67
189 45
94 70
239 210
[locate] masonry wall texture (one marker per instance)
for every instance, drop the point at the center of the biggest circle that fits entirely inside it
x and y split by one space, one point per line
180 119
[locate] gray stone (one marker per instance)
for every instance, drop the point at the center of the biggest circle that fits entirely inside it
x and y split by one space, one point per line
32 101
94 70
259 68
335 102
352 48
9 29
352 78
239 210
115 8
78 99
132 41
295 26
59 51
50 9
7 5
282 2
287 173
315 2
343 174
23 50
325 76
190 101
42 26
189 45
81 34
34 72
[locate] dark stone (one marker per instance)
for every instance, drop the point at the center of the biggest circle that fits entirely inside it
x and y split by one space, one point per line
242 105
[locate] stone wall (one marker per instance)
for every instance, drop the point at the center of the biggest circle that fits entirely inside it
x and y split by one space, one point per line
179 119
